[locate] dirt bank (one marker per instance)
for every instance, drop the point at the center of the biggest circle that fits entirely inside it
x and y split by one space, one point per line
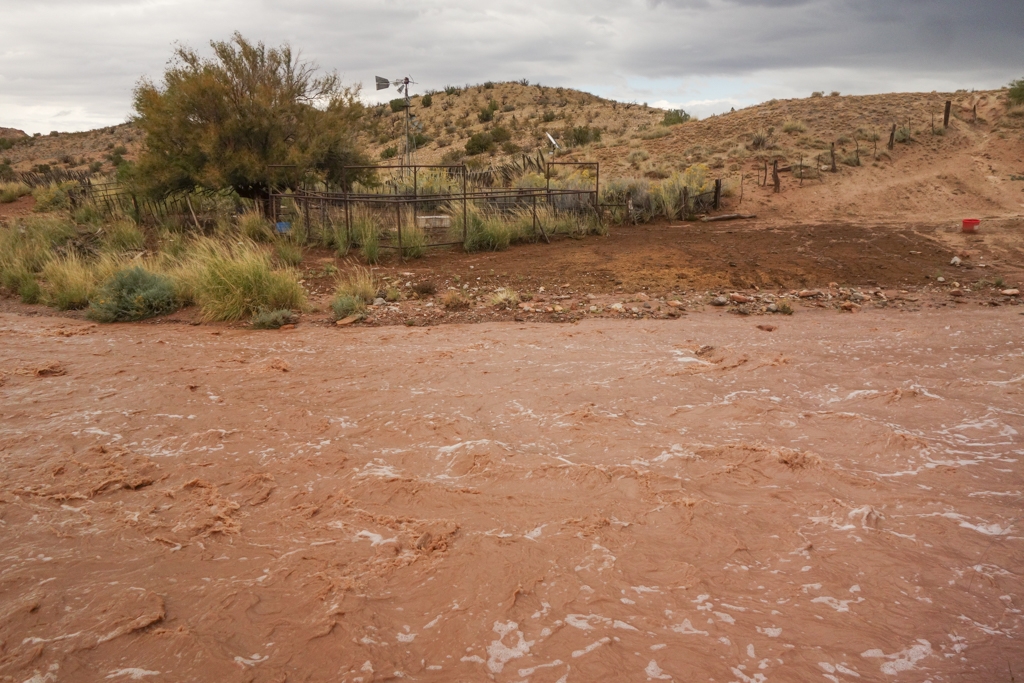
683 500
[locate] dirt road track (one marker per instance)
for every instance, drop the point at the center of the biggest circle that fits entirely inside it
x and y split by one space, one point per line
679 500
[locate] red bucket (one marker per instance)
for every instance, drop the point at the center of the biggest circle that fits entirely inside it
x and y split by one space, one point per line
971 224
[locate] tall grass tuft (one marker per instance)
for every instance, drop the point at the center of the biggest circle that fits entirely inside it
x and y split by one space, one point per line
132 294
414 242
253 226
123 235
70 282
355 290
232 282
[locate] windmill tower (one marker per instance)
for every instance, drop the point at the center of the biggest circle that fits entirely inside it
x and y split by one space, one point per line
403 89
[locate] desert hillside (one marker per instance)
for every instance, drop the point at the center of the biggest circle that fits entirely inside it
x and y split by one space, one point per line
976 165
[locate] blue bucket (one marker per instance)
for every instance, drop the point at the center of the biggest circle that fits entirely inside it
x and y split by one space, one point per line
284 226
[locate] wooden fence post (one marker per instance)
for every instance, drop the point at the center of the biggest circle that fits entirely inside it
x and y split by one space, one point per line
945 114
892 137
718 193
775 176
833 157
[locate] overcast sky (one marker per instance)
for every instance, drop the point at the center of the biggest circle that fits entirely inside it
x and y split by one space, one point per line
71 64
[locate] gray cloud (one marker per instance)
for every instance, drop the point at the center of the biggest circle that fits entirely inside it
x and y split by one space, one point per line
72 65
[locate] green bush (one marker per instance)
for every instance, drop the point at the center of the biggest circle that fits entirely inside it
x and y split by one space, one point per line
426 100
52 197
675 116
548 116
22 282
389 153
397 104
582 135
1016 93
132 294
272 320
345 305
485 115
479 143
500 134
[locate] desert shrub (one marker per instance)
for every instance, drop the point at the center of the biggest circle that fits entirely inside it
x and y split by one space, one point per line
393 293
582 135
793 126
121 236
674 117
479 143
236 281
454 300
344 305
452 90
817 93
397 104
504 298
655 133
548 116
485 115
272 320
52 197
851 159
636 156
903 135
761 139
10 192
1016 92
500 134
834 93
425 288
785 308
426 100
288 253
389 152
87 214
132 294
253 226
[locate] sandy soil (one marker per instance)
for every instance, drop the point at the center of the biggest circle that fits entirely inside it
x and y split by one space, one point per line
690 499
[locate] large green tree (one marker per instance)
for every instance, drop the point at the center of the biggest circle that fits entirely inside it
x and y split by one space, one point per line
249 118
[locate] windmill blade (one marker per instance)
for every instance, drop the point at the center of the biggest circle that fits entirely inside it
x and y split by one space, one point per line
382 83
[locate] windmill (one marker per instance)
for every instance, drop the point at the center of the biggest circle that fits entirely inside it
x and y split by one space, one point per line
403 89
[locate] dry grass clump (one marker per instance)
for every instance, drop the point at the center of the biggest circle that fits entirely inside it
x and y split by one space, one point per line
355 291
71 280
253 226
121 236
235 281
793 126
505 297
10 192
455 300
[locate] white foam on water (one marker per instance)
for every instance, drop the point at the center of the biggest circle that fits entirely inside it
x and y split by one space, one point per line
529 672
379 468
132 673
498 653
687 628
374 539
252 660
755 678
582 621
987 529
590 648
904 660
654 671
770 631
727 618
837 605
535 533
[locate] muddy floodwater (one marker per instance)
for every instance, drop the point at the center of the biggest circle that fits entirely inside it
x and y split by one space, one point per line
836 499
